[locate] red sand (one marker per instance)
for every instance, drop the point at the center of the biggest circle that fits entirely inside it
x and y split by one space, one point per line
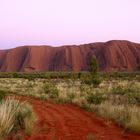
67 122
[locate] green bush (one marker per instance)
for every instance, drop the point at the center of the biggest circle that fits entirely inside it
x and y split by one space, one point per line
95 81
134 98
119 90
51 90
2 94
93 66
95 98
130 92
15 75
25 118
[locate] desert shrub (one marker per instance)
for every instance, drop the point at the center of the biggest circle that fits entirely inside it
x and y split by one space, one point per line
15 75
119 90
30 78
10 110
131 93
79 75
2 94
81 102
134 98
26 118
95 81
70 97
122 90
51 90
123 115
91 81
95 98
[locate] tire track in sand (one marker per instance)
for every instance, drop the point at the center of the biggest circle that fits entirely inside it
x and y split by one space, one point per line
67 122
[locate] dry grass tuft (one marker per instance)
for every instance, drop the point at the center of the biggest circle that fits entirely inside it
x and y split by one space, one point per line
14 116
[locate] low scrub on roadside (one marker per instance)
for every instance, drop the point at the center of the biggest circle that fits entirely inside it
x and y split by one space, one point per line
95 98
51 90
2 94
130 92
15 116
124 115
122 96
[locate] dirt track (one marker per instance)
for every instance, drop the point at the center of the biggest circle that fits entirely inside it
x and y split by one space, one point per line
67 122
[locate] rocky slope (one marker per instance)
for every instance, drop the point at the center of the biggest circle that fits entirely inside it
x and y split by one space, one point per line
111 56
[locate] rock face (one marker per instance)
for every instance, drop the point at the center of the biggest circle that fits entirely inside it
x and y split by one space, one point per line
111 56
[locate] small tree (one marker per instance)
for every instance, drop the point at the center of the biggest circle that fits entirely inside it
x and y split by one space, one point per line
94 67
93 78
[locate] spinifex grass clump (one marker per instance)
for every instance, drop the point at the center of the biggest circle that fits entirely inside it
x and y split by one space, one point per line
2 94
130 92
8 110
15 116
26 118
124 115
95 98
51 90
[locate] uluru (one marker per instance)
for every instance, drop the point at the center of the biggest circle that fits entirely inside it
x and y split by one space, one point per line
114 55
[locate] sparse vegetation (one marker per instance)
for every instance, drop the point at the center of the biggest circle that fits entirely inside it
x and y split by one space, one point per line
93 79
95 98
26 118
2 94
124 115
51 90
14 116
69 75
93 69
117 91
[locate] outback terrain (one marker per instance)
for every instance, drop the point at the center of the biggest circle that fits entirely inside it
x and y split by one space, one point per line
67 122
111 56
85 92
70 109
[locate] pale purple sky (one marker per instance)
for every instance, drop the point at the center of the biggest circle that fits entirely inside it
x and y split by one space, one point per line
59 22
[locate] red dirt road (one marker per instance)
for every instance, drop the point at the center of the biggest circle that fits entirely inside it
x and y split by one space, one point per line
67 122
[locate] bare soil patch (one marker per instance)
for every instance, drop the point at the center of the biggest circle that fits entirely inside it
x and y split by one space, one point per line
67 122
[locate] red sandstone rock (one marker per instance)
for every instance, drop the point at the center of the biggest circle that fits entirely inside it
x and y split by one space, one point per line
111 56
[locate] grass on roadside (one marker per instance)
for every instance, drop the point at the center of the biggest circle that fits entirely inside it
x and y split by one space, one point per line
15 116
124 115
